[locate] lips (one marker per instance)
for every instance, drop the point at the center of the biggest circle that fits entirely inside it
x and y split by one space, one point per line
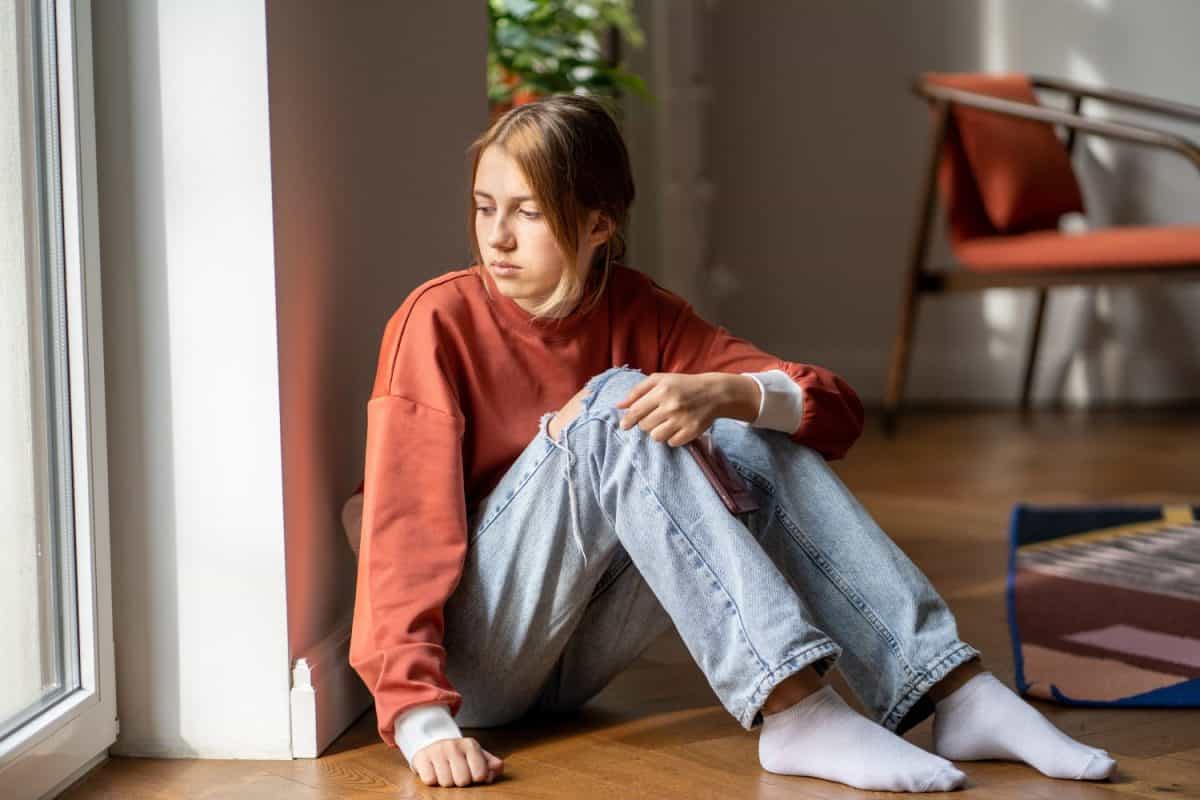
504 264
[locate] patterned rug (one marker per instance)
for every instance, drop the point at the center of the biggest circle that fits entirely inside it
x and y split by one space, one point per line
1104 604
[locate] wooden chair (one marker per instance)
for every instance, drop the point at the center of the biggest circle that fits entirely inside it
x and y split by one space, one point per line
1005 179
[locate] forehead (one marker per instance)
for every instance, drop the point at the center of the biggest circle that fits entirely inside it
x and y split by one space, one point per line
499 175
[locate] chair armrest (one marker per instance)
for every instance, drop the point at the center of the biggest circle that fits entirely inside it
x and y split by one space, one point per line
1119 97
1138 134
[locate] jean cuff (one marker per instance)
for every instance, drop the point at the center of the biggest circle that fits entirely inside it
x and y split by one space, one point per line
821 655
914 706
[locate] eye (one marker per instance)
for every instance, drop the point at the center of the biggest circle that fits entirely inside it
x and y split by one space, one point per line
531 214
483 209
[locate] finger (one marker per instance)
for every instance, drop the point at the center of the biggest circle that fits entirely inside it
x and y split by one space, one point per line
477 764
426 772
631 417
442 765
637 412
654 420
496 763
680 438
459 768
638 391
664 432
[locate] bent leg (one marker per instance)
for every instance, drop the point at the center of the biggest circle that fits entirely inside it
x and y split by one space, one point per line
736 613
512 612
898 635
739 617
621 620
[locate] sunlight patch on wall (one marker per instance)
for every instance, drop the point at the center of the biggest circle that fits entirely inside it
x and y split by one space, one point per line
1000 311
993 36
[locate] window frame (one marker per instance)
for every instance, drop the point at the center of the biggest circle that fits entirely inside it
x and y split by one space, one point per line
45 755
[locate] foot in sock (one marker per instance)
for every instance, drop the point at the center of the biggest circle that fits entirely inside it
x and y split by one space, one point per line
984 719
822 737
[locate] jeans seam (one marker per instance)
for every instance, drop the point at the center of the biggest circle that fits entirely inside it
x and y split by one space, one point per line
586 416
923 680
751 475
835 577
599 590
637 468
487 523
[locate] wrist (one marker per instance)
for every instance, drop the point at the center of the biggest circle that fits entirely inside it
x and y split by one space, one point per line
420 726
741 397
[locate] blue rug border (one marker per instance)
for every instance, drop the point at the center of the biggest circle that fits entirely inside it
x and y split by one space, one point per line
1185 694
1046 522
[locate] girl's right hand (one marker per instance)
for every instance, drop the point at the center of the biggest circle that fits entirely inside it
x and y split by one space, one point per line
456 762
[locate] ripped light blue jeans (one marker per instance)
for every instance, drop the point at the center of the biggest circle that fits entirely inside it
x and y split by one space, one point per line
591 546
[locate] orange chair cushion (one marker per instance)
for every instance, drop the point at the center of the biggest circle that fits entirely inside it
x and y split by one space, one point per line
1170 246
1022 171
965 214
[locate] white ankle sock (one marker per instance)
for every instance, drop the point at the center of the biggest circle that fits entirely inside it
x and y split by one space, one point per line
822 737
985 719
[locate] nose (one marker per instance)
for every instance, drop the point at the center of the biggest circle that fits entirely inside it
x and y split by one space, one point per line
499 236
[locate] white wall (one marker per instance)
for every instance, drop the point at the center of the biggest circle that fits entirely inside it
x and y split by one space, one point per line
372 108
199 603
816 155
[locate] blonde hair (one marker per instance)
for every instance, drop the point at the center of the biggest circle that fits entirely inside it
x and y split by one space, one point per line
571 153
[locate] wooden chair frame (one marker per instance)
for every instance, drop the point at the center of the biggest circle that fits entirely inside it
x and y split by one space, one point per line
921 280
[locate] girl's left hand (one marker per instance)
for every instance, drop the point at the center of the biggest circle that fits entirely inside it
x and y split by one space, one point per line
673 407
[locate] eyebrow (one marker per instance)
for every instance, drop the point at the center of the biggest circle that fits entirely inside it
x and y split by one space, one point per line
517 199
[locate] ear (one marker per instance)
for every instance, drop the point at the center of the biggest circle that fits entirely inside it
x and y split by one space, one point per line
600 227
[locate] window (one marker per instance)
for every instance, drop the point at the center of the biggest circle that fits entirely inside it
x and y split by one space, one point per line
57 703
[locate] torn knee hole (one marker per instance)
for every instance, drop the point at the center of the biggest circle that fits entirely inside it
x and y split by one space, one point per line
570 411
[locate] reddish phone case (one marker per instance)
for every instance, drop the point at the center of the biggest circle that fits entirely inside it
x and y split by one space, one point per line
729 485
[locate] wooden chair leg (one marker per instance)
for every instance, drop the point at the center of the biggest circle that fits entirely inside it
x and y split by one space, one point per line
1031 360
898 371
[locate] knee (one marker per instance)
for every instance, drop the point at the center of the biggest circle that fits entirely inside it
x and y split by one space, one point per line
605 390
352 513
563 417
602 392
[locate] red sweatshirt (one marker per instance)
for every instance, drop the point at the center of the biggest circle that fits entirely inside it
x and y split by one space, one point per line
462 381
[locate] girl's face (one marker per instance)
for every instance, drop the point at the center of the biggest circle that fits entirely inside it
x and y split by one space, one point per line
510 227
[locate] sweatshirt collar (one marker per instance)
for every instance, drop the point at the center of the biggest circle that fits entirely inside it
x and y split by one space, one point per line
517 318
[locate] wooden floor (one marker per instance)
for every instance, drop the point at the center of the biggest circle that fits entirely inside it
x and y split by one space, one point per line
943 489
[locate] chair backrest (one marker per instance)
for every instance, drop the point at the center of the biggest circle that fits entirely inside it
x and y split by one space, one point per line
1000 174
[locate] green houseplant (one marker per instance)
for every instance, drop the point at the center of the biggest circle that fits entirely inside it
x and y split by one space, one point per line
543 47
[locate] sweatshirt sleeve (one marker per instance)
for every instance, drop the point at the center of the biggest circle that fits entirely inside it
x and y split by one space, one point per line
780 401
831 415
414 534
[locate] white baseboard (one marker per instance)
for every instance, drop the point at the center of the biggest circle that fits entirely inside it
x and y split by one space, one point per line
327 695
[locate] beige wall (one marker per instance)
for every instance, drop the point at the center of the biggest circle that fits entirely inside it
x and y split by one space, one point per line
815 151
372 108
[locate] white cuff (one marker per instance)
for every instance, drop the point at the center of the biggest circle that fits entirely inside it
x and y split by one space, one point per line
781 404
423 725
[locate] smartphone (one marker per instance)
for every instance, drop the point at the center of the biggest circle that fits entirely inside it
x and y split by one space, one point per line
729 485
